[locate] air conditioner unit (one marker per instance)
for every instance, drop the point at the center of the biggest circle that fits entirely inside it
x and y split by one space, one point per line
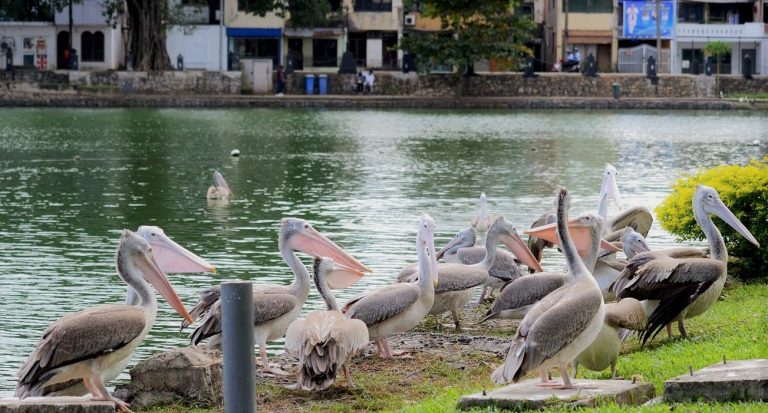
410 19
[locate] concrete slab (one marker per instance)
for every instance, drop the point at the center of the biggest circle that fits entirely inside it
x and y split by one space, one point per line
55 405
738 380
527 395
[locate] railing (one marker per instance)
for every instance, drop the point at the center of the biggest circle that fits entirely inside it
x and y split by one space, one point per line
733 31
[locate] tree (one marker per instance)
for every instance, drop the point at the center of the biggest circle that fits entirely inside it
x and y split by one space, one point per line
717 49
471 31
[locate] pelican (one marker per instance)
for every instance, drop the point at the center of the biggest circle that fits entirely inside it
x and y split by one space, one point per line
275 307
536 244
517 297
94 345
675 288
171 258
505 266
220 188
400 307
604 351
567 321
478 222
326 340
637 218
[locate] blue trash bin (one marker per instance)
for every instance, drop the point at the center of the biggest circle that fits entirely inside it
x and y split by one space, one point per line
323 84
309 84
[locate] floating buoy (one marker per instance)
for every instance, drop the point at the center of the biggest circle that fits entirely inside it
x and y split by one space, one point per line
755 142
235 152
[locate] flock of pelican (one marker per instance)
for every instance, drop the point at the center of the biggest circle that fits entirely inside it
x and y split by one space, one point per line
577 316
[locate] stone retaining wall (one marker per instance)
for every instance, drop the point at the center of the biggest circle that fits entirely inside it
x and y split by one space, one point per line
545 85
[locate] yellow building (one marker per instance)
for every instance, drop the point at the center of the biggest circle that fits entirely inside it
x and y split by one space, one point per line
587 27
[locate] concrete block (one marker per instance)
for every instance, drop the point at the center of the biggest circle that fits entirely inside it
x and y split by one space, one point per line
55 405
738 380
528 395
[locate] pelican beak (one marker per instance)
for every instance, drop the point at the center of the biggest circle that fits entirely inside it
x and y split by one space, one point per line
447 247
173 258
518 247
429 244
580 234
155 276
610 188
342 277
608 246
727 216
313 243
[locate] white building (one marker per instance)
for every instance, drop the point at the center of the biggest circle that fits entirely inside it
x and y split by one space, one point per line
31 44
99 46
202 42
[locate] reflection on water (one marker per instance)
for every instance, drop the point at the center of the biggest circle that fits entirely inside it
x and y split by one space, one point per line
72 179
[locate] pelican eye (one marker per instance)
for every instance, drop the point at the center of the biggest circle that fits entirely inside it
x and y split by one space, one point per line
306 226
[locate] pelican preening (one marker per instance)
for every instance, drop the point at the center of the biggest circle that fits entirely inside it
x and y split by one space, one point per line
326 340
275 307
674 288
94 345
400 307
565 322
220 188
479 222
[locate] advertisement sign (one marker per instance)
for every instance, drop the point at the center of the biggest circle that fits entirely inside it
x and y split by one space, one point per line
640 19
42 53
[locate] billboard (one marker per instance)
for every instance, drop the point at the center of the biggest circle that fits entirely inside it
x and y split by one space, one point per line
640 19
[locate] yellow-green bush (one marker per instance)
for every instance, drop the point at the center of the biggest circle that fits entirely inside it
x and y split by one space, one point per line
744 189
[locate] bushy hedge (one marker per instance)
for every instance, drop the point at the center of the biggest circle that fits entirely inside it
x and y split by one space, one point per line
744 190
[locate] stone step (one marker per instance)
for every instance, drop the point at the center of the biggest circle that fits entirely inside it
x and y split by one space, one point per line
738 380
528 395
55 405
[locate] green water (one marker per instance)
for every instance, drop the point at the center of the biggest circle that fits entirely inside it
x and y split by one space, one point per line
72 179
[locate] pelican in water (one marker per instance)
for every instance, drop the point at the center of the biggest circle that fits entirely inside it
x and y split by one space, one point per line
479 222
95 345
220 188
400 307
171 258
672 288
505 268
326 340
604 351
517 297
275 307
567 321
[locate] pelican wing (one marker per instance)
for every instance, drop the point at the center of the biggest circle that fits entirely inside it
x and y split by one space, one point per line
409 273
627 313
459 277
77 337
383 303
526 291
675 283
207 300
504 267
266 307
638 218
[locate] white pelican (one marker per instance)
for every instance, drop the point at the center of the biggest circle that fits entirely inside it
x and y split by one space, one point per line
400 307
326 340
275 307
674 288
220 188
565 322
94 345
479 222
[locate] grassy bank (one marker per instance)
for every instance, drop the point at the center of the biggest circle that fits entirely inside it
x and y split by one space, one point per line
432 380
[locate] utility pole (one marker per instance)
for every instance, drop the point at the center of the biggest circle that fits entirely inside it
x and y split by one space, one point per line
221 34
69 46
565 30
658 33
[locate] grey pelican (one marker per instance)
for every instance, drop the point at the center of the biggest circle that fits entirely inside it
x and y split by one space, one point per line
536 244
171 258
275 307
505 266
94 345
565 322
326 340
400 307
517 297
673 288
637 218
479 222
604 351
220 188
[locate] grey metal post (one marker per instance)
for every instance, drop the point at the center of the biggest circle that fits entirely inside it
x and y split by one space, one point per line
237 346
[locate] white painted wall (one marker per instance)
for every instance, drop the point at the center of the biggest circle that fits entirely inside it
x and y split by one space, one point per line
200 47
113 47
35 30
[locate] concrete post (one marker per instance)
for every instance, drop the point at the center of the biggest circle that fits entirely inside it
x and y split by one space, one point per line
237 347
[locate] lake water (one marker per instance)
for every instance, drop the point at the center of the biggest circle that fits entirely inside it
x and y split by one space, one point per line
72 179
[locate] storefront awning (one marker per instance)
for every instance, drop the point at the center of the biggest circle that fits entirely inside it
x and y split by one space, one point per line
254 33
590 36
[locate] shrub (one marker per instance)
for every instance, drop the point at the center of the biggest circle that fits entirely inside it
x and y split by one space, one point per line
744 189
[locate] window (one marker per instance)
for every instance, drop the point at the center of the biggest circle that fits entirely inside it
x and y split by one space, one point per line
589 6
690 12
262 48
373 5
92 45
324 52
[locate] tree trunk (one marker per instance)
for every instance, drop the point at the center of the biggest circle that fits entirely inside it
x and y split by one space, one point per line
147 44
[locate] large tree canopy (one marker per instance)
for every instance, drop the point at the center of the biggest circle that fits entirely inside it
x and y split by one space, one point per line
471 31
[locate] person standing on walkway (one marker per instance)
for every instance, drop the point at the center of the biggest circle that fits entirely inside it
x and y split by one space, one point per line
280 80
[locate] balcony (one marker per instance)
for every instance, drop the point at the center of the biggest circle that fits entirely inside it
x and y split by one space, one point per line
690 31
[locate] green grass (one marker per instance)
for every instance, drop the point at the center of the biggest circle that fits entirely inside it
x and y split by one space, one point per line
763 95
735 327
